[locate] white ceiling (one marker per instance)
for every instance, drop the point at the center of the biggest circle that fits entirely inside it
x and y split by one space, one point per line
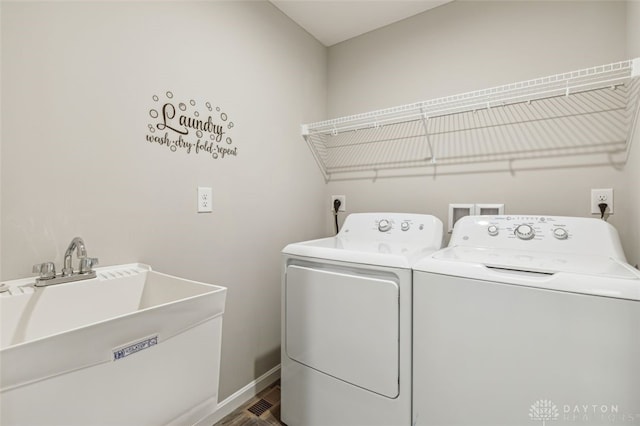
331 21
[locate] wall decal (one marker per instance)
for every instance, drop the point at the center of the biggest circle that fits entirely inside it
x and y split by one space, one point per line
190 127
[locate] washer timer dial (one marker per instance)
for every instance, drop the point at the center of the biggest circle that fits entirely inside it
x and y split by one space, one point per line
524 232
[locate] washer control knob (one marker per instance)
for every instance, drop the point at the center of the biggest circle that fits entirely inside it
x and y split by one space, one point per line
384 225
405 226
524 232
560 233
493 230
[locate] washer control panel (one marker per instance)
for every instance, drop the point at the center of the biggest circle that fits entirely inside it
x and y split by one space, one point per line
526 227
527 231
538 233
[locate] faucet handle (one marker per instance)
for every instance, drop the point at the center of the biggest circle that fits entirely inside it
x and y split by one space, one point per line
86 263
47 270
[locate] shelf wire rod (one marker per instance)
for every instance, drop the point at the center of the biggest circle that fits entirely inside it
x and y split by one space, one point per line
634 109
612 121
542 128
539 118
316 156
603 98
548 108
522 114
456 110
586 131
511 114
374 142
432 114
624 67
567 114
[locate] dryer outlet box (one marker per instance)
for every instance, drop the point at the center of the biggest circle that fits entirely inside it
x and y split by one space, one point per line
343 202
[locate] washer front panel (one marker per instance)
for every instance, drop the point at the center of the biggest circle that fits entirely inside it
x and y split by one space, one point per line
484 353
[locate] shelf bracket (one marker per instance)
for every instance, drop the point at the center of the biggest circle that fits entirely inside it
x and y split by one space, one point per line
426 135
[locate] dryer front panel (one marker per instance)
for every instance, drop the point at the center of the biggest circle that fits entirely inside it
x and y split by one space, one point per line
345 325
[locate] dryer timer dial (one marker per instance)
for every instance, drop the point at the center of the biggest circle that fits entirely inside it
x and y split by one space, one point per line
384 225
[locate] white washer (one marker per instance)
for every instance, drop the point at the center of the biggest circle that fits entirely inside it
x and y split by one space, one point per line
527 320
346 321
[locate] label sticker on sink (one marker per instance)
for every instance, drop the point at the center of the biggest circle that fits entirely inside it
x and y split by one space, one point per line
132 348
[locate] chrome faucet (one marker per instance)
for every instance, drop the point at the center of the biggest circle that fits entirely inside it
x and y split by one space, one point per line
81 251
47 270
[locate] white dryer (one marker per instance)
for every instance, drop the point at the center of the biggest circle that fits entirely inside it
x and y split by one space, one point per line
527 320
346 321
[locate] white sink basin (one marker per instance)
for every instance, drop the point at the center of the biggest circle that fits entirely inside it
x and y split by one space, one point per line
69 347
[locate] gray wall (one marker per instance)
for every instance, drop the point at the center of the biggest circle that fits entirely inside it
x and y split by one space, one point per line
632 236
465 46
77 83
77 86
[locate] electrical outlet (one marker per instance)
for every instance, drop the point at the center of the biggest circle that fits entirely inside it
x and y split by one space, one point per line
601 196
343 202
205 202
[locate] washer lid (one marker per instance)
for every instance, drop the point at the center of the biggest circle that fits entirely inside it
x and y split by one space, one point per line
386 239
594 275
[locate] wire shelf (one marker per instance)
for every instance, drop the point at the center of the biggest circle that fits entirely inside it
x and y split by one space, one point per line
580 112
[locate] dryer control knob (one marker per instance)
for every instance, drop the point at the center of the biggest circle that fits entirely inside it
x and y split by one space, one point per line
405 226
524 232
384 225
493 230
560 233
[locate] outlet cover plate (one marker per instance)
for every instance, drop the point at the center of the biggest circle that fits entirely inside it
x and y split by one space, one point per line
205 202
343 202
604 195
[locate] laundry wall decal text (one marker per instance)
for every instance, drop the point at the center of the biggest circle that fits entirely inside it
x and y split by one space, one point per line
190 127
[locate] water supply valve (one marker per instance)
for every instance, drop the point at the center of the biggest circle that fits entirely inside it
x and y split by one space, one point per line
47 270
87 263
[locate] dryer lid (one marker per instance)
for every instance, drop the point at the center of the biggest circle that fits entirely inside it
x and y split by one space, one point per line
384 239
381 253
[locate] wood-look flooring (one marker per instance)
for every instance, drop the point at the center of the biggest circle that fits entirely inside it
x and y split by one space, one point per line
261 410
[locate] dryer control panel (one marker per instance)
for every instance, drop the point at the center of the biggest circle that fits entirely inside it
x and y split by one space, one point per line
404 224
397 227
539 233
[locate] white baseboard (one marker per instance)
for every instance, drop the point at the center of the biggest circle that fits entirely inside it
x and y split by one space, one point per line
240 397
